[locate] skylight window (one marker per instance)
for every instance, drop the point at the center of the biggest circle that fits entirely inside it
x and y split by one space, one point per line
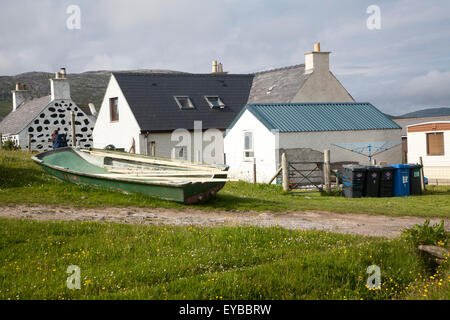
184 102
214 102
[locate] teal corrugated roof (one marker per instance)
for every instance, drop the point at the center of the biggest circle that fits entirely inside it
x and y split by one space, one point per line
304 117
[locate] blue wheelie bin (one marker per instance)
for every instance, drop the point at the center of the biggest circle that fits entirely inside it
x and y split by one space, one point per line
401 180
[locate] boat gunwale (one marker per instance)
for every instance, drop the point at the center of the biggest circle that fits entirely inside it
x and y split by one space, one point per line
159 183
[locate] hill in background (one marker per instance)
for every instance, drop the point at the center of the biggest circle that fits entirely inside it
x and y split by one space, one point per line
87 87
431 112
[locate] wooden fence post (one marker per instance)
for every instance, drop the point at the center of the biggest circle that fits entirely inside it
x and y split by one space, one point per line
422 177
1 141
275 175
29 142
254 170
72 121
284 167
326 170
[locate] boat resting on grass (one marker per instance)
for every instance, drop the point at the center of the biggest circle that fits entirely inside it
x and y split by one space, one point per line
175 180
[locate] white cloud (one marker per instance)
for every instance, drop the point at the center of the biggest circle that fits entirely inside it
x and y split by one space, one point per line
432 87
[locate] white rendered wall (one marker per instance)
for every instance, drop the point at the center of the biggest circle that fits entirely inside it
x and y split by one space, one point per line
118 133
264 142
164 146
435 167
322 86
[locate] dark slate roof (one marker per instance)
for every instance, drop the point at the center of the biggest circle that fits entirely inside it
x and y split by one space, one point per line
15 121
278 85
409 121
304 117
151 98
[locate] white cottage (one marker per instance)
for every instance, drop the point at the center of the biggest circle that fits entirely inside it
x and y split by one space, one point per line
40 117
261 132
431 141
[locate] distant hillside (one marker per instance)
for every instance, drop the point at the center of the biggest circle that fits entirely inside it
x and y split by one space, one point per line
85 87
432 112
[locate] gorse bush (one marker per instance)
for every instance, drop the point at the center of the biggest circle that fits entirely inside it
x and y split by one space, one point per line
426 234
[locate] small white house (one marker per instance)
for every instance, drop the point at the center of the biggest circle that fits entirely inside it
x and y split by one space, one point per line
261 132
431 141
40 117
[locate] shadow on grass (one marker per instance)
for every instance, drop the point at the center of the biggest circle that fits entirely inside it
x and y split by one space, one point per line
20 177
230 202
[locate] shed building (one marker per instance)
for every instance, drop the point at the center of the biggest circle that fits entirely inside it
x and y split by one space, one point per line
261 132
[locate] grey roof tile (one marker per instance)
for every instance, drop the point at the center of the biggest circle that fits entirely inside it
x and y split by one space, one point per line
151 98
15 121
278 85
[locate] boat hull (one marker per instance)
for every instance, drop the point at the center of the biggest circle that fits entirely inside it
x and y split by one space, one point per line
187 193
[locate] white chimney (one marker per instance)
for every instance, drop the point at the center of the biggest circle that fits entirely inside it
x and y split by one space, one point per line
19 96
317 61
59 86
92 108
214 67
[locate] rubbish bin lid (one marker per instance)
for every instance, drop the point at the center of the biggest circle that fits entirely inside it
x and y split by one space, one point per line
386 167
415 165
354 167
401 166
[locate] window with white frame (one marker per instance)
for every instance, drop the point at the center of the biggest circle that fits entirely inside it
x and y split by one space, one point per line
181 153
248 145
214 102
184 102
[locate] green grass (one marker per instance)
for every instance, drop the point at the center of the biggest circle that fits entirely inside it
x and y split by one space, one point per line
120 261
23 182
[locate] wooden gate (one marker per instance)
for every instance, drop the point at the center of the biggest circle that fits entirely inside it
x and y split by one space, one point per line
306 176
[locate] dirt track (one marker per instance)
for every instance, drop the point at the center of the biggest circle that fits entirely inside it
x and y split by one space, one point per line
371 225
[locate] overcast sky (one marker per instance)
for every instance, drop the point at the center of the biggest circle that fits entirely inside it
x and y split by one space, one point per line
401 67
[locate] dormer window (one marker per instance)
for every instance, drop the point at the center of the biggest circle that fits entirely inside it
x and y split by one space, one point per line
184 102
214 102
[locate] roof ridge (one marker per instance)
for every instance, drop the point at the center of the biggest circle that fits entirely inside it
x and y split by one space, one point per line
181 74
278 69
304 103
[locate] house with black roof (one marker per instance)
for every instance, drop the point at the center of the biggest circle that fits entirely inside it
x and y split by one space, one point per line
33 120
157 113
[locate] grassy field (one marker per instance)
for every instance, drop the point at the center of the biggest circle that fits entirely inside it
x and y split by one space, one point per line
23 182
159 262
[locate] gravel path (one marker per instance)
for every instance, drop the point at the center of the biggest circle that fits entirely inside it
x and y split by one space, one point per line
370 225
